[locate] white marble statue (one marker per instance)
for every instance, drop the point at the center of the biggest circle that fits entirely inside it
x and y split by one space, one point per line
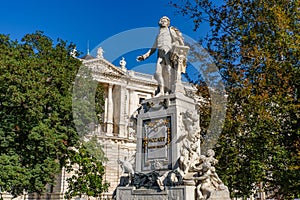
184 161
189 160
100 52
123 64
190 119
209 182
126 167
73 52
165 40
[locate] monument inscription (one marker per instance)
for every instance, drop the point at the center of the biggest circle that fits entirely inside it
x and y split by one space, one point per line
156 143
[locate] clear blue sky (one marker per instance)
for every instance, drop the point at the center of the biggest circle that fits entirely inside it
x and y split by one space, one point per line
89 20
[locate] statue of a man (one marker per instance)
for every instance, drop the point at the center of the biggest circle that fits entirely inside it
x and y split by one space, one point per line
164 42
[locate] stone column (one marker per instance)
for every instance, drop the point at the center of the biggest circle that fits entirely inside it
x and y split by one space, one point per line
130 91
129 111
122 121
105 111
110 112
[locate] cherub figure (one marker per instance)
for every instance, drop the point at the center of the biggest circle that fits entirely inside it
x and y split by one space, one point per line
126 167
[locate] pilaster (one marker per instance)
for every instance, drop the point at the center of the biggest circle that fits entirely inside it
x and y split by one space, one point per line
122 121
110 112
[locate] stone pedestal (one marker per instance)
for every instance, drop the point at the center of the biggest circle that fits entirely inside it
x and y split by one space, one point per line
160 132
171 193
219 194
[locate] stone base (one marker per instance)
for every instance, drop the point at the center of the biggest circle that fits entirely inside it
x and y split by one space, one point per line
219 194
171 193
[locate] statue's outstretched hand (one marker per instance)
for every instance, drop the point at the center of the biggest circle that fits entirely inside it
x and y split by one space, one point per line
140 58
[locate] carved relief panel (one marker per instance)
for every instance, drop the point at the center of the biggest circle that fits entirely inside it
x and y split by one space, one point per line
156 144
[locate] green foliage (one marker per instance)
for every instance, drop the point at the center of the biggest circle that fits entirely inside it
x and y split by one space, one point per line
255 44
35 111
36 119
99 102
94 148
87 102
88 175
86 163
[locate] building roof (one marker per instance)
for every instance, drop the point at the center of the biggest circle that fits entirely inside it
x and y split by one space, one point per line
87 57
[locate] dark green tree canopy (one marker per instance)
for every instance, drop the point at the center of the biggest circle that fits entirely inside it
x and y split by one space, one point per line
36 119
255 45
88 177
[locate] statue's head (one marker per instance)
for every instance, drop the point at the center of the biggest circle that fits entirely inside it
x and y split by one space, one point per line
210 153
164 21
202 158
120 162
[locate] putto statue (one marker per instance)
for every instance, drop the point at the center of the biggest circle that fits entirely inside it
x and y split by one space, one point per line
126 167
208 183
171 59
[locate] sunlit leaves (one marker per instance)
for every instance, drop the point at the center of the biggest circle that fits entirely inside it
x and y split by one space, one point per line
256 47
88 175
36 124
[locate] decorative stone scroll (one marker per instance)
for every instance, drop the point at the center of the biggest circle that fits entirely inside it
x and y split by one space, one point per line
179 60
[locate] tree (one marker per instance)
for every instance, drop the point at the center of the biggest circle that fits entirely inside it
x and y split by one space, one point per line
94 148
88 102
36 120
86 162
255 46
88 177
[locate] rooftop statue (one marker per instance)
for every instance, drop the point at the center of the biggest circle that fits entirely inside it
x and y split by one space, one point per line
73 53
100 52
